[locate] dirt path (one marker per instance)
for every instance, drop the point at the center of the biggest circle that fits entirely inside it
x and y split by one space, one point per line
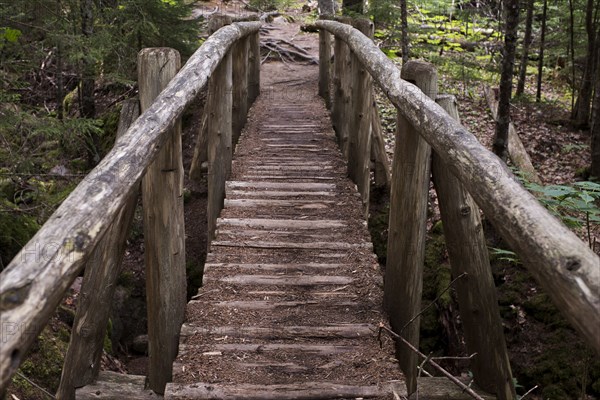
292 290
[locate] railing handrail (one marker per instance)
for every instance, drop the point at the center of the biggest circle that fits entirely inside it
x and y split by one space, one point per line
564 265
33 284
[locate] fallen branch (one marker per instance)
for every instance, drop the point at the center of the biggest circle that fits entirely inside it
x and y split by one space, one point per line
292 54
435 365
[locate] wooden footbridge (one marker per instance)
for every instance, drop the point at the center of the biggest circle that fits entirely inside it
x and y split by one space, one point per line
292 305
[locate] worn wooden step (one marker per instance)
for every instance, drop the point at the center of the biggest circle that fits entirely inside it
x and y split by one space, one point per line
292 245
281 185
290 178
301 391
270 193
264 223
347 331
277 280
224 234
259 348
114 386
277 268
291 167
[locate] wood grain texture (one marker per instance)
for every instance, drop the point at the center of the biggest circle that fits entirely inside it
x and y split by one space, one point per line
115 386
239 54
561 263
381 170
164 230
407 226
477 300
33 284
325 66
82 361
253 67
341 90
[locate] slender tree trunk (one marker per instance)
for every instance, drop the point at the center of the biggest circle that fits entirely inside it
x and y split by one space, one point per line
571 51
595 170
88 106
581 113
508 59
526 44
404 29
538 96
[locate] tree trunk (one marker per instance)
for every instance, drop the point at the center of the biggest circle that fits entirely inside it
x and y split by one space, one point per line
571 51
404 29
326 8
510 41
538 95
88 107
595 170
581 113
526 44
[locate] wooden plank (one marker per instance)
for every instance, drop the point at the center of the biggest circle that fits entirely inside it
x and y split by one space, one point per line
477 300
564 265
269 193
302 391
347 331
281 223
320 349
253 67
281 268
283 280
293 245
340 107
239 71
407 226
282 185
291 167
440 388
287 177
379 153
114 386
280 235
305 204
268 305
325 66
82 361
162 199
32 286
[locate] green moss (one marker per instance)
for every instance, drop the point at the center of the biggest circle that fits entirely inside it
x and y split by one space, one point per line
543 309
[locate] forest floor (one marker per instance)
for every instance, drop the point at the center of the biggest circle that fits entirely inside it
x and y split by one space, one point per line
544 350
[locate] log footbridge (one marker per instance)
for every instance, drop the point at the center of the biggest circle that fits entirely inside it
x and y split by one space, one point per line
293 297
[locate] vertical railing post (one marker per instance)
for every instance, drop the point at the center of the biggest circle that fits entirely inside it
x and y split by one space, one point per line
477 301
407 225
359 126
325 66
164 232
341 93
253 67
82 361
219 107
239 54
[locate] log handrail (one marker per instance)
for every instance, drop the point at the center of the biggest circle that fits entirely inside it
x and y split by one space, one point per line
34 283
565 266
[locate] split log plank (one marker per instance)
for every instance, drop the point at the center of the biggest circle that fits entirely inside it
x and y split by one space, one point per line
281 223
325 66
31 287
566 267
321 349
239 71
280 235
277 177
265 193
281 185
348 331
294 245
281 268
278 203
114 386
285 280
305 391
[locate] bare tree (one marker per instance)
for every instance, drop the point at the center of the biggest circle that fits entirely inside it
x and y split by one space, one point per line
404 29
511 11
526 44
595 170
538 95
87 103
581 112
326 7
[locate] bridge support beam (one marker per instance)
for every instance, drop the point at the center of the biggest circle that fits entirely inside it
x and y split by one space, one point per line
164 232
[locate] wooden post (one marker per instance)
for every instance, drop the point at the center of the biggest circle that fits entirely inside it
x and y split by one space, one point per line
239 54
253 67
341 92
164 232
219 107
407 227
216 22
379 156
82 361
477 300
325 66
359 126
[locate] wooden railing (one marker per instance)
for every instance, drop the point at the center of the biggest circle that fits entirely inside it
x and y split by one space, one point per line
90 227
466 176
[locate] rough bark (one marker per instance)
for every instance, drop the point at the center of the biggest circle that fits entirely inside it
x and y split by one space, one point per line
538 94
325 66
326 8
239 60
407 225
164 231
378 152
500 146
581 115
404 30
595 131
564 266
477 301
82 361
33 284
525 54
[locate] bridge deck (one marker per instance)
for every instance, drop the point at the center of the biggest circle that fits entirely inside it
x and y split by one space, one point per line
292 290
